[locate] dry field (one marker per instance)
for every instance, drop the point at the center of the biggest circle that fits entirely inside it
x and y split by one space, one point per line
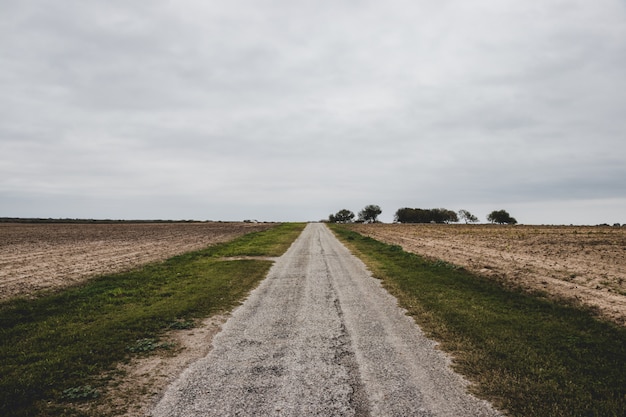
580 263
35 256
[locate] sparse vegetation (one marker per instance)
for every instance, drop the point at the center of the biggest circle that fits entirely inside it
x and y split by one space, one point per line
148 345
84 392
182 325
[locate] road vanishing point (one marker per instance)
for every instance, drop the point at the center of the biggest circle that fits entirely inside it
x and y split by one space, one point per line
320 337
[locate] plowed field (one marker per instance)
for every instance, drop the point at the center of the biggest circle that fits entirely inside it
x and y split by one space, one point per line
37 256
585 264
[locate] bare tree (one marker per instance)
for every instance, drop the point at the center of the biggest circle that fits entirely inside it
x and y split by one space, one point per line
467 216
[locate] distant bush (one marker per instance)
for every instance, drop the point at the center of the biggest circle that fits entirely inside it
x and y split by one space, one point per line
501 217
342 216
418 215
370 214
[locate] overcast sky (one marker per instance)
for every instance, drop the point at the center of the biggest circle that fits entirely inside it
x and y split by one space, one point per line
291 110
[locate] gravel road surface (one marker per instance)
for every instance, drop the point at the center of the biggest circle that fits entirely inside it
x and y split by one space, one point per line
320 337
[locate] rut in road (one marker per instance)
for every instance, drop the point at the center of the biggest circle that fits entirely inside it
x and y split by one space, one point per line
320 336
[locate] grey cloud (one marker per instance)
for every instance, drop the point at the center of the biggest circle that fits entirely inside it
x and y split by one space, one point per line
286 107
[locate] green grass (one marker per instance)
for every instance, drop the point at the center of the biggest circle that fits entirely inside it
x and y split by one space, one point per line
56 347
529 355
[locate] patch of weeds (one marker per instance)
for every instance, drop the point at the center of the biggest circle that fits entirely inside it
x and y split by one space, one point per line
447 265
148 345
182 325
81 393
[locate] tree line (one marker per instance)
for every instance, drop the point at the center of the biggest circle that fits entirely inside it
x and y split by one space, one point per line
370 214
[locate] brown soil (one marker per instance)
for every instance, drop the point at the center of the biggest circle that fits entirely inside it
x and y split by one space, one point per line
49 256
578 263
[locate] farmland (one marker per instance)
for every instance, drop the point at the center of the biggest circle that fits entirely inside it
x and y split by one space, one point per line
64 347
36 256
586 265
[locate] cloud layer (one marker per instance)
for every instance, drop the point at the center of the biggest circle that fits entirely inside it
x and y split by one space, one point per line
282 110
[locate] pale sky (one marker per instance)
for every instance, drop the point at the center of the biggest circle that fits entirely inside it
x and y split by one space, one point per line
281 110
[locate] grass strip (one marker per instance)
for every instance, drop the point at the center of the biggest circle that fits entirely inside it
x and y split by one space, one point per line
56 347
530 356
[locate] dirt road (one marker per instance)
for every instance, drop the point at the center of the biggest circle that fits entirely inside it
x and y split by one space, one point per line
320 337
